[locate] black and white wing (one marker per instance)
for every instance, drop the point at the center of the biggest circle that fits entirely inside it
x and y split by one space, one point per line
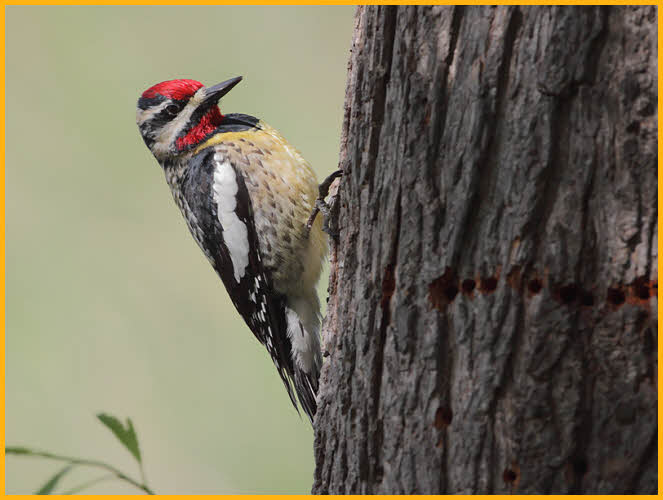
219 200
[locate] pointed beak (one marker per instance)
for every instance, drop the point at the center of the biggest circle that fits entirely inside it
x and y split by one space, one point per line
216 92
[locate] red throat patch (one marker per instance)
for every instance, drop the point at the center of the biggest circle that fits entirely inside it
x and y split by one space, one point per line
173 89
206 126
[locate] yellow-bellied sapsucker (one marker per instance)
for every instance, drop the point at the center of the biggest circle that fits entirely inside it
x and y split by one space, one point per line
246 195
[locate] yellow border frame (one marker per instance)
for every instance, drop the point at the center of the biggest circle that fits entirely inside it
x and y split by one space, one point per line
2 247
303 2
660 108
276 2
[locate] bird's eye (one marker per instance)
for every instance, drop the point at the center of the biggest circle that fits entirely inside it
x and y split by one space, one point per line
172 109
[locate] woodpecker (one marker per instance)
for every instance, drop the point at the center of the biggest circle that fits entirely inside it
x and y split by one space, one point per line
246 195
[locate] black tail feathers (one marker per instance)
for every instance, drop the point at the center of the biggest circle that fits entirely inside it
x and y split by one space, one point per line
306 385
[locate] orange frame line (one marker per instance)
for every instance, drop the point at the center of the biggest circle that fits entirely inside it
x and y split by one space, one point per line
276 2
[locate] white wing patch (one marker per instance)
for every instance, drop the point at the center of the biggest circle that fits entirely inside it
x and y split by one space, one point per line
235 233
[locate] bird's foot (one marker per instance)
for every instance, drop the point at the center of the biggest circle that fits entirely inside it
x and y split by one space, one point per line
321 205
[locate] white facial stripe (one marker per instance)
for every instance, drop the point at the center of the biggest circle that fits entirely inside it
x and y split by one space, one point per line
235 233
143 115
168 134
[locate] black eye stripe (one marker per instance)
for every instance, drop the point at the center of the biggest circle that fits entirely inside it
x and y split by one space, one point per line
161 117
152 102
164 116
154 123
146 103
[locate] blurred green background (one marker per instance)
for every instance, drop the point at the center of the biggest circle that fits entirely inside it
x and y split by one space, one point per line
111 306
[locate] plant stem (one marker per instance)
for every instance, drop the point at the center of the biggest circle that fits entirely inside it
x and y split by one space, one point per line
90 463
87 484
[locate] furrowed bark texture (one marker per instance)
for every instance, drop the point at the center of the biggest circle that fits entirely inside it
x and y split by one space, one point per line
493 298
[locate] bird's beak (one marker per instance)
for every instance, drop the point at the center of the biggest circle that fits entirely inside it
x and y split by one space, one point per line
216 92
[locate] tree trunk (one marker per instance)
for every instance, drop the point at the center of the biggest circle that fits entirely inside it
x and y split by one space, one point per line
492 322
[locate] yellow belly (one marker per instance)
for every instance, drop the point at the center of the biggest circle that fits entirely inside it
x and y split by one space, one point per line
283 189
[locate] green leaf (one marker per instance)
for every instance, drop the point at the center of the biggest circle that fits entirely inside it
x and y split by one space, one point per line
17 450
52 482
126 435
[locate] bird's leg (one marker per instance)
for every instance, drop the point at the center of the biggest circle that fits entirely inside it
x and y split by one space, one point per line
320 204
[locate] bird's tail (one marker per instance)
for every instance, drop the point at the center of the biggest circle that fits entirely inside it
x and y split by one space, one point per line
306 385
303 320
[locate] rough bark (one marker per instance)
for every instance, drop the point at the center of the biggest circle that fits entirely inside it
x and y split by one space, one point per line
492 322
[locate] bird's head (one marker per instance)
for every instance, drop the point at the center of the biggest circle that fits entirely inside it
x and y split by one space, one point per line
176 115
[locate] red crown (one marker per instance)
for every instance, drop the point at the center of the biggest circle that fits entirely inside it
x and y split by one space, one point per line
173 89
